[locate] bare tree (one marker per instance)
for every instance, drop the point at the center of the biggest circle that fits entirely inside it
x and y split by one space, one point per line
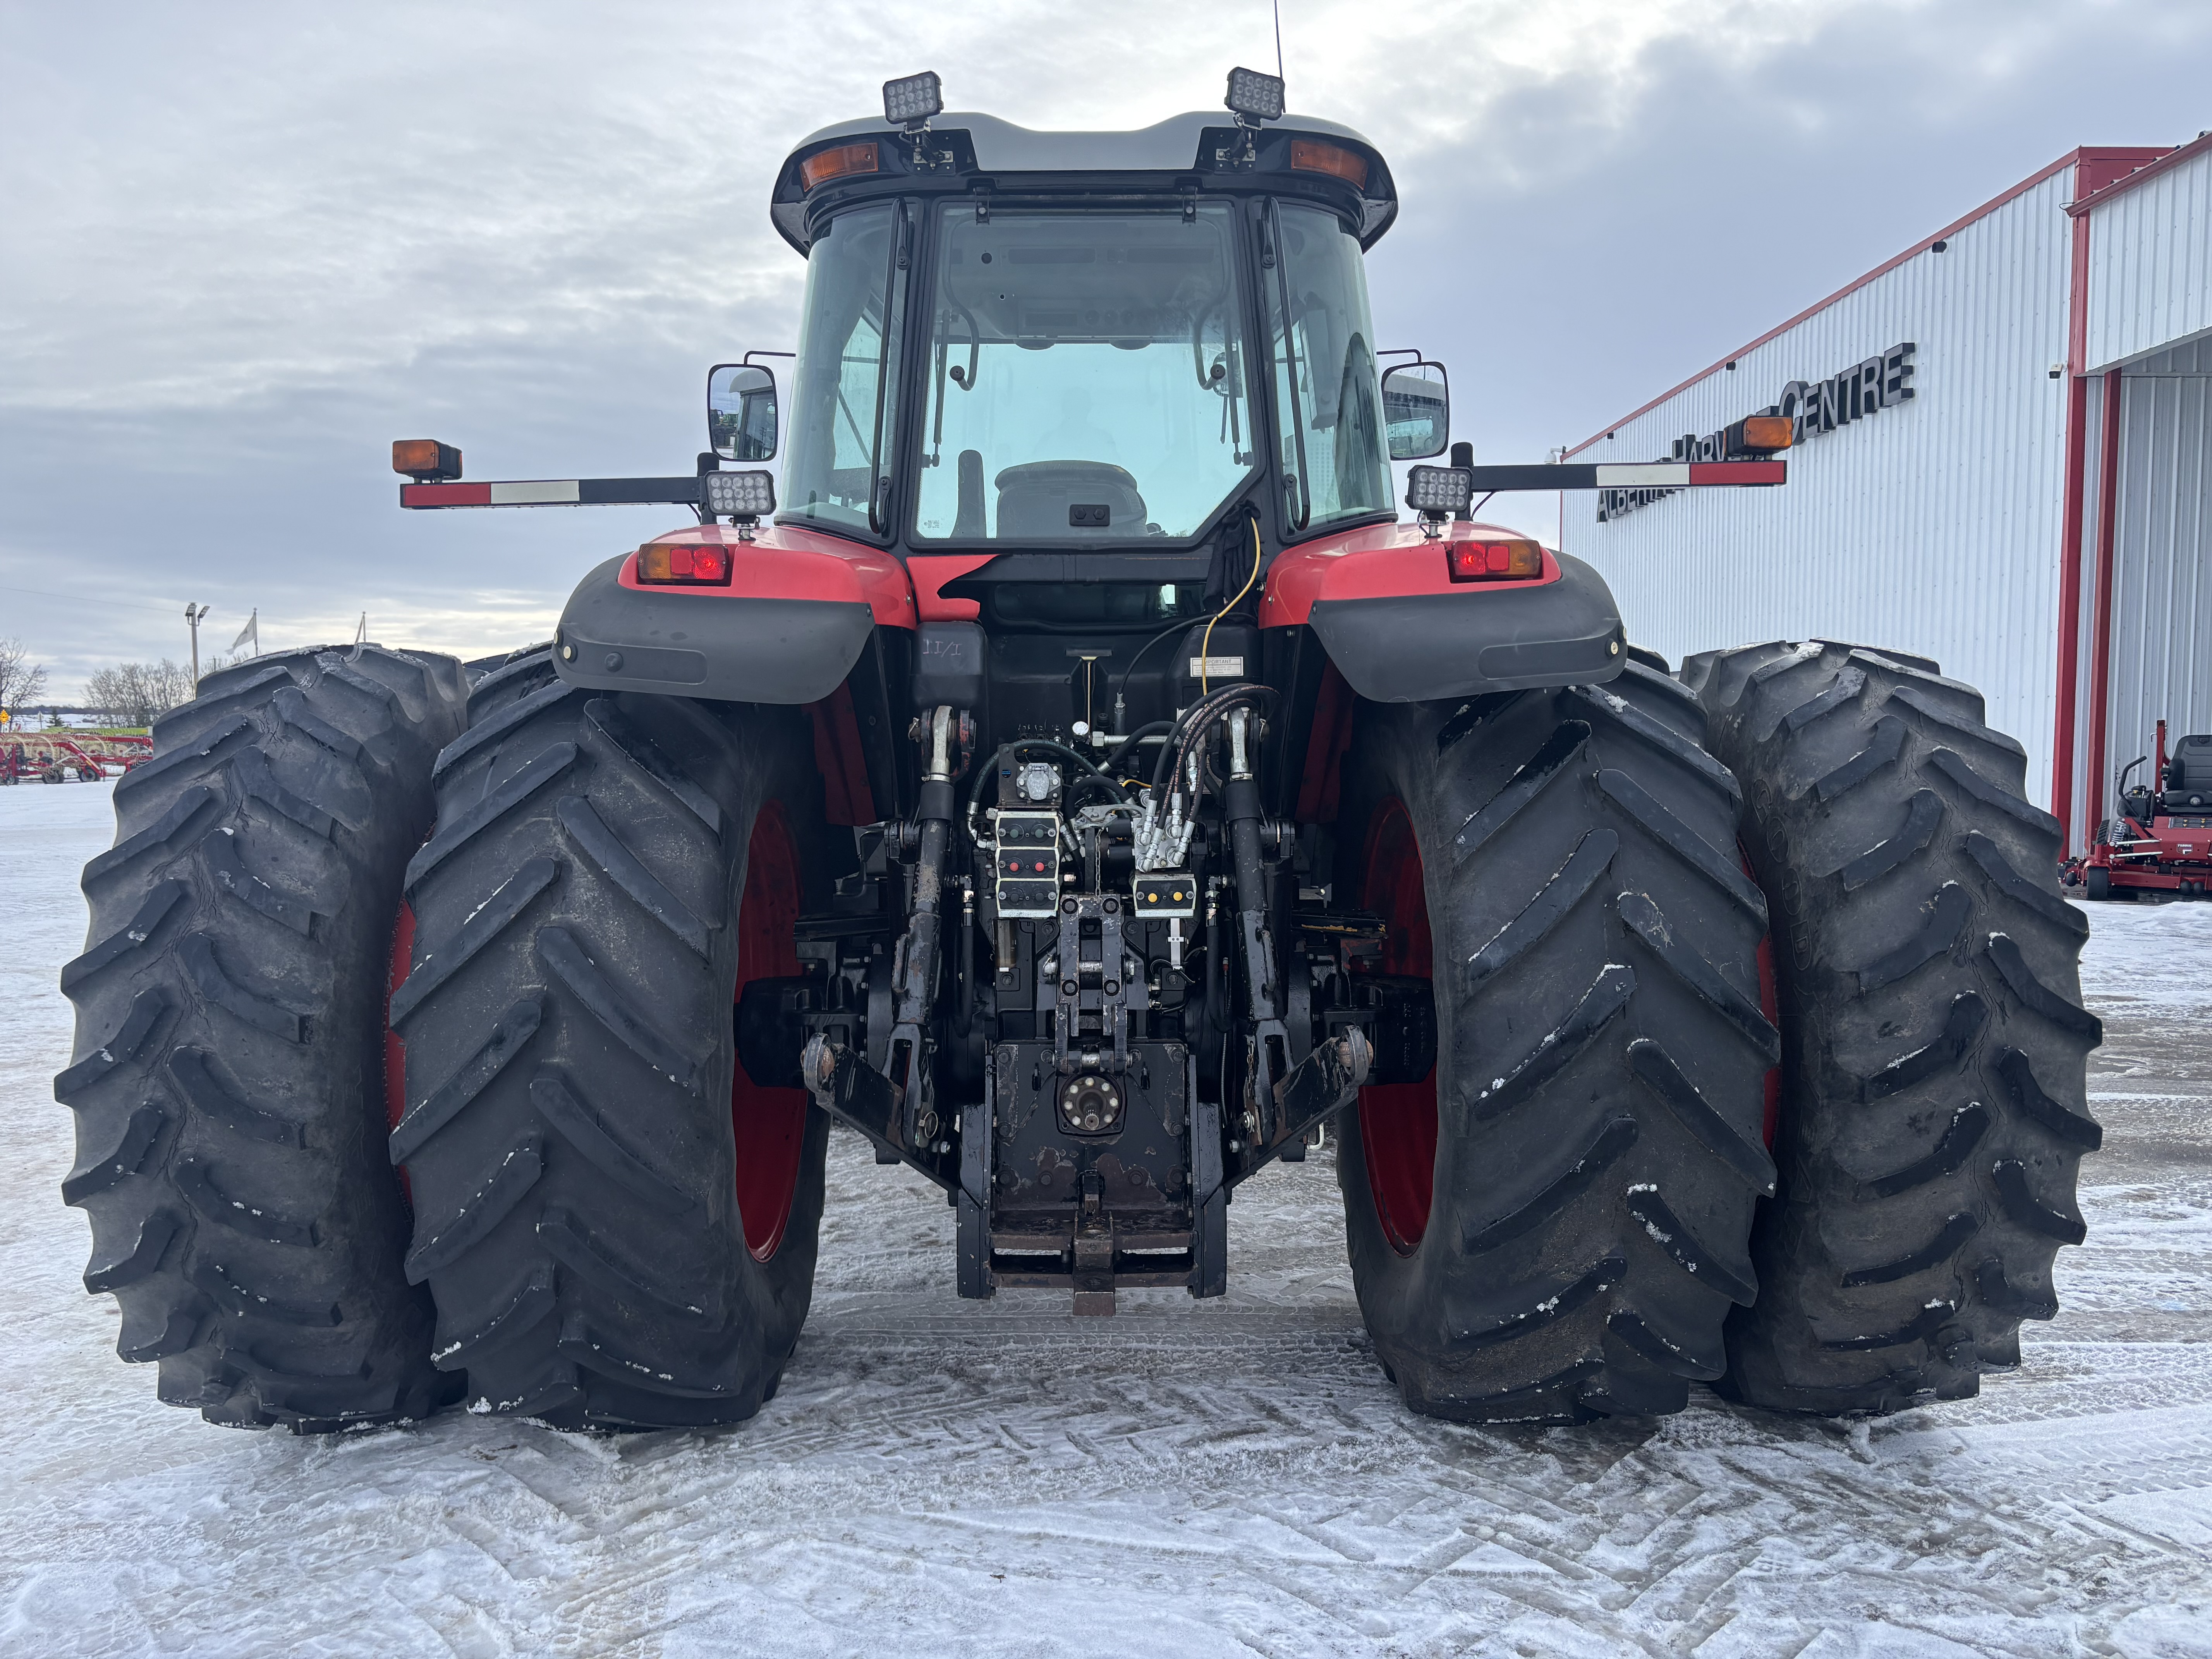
21 680
139 693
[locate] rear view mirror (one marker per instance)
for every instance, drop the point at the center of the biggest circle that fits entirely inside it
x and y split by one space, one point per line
1416 411
741 412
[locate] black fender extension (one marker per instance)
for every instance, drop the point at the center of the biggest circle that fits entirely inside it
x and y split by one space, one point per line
701 642
1421 647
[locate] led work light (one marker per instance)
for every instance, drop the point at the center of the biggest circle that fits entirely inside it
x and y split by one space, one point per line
1438 490
1254 96
741 495
911 101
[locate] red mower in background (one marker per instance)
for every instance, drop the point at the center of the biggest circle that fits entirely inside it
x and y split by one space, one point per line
2162 841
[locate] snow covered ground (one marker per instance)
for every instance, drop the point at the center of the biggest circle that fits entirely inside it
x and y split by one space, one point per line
1236 1476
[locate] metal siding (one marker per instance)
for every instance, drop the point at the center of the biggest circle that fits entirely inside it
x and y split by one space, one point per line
1932 527
2150 264
2161 665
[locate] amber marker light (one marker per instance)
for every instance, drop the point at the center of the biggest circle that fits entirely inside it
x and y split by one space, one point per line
841 162
1763 433
1311 155
425 459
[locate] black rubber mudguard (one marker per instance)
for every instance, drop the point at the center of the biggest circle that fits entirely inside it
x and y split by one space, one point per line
700 643
1424 647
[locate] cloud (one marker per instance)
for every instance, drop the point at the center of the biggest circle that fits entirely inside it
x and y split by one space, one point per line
250 244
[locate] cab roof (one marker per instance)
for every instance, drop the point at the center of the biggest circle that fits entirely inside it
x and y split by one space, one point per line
981 152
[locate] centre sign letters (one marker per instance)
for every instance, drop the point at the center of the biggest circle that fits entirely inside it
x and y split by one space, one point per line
1814 407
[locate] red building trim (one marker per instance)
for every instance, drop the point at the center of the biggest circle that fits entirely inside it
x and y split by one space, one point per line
1921 247
2100 661
2070 534
2099 194
2097 170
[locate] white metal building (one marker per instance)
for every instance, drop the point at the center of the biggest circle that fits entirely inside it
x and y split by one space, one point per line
2003 462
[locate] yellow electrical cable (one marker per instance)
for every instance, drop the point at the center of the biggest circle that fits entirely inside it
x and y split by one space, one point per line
1205 641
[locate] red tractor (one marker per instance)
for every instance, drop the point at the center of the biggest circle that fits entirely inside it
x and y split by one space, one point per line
2159 845
1085 787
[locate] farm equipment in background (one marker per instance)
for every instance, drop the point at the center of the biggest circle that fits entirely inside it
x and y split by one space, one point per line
1087 789
51 757
2159 842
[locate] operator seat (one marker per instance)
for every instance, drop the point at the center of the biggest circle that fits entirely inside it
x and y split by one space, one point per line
1033 499
2188 776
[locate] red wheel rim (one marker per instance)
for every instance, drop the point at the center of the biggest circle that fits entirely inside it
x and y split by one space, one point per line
1397 1120
769 1125
395 1052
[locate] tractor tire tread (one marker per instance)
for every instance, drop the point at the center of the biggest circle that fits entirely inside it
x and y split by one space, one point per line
566 1133
228 1077
1933 1099
1599 1079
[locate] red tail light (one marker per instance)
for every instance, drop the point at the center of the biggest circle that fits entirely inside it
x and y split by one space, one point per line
1494 562
680 561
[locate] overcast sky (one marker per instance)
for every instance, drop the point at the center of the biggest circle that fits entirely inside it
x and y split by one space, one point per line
243 247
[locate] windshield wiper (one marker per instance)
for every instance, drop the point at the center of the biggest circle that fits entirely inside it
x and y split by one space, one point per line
966 382
901 250
1271 254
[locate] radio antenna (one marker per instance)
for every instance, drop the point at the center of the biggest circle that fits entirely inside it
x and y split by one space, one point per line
1279 39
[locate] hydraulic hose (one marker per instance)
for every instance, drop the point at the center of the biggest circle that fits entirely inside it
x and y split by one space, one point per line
1129 745
1200 715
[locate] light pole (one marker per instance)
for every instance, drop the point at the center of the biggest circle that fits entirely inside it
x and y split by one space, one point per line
193 616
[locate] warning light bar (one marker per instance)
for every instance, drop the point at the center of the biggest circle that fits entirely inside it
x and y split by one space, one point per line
554 492
1628 475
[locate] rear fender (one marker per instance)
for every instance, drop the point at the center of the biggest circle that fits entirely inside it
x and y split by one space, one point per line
788 628
1398 629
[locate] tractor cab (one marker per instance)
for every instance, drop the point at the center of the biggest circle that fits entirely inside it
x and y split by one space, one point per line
1092 343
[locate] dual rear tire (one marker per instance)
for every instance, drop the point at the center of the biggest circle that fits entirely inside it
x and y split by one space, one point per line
1824 1171
1562 1220
1934 1111
227 1077
1550 1226
618 1225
